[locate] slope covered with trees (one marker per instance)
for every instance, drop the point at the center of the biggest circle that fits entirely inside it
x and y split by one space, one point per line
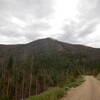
30 69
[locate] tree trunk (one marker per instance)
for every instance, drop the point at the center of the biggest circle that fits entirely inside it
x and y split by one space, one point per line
30 84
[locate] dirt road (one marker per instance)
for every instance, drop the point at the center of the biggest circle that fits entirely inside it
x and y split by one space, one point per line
89 90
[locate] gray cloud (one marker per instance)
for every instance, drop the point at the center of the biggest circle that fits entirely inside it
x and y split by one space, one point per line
24 18
39 8
35 30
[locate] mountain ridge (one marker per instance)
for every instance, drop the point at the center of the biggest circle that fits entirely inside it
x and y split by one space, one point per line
48 45
46 39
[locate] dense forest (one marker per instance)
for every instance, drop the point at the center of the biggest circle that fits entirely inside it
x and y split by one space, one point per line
30 69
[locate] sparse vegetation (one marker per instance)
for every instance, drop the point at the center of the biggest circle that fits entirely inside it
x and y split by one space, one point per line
75 82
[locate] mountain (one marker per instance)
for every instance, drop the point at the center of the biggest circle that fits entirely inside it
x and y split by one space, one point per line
46 46
29 69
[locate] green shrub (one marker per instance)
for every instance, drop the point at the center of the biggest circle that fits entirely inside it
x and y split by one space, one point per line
75 82
50 94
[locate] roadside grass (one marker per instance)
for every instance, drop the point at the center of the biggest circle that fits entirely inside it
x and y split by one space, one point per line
75 82
98 78
50 94
57 92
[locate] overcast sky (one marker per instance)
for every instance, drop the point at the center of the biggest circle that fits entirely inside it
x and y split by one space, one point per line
72 21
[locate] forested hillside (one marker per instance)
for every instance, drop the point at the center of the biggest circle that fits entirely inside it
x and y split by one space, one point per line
31 68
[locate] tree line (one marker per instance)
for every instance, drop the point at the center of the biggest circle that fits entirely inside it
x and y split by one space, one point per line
34 74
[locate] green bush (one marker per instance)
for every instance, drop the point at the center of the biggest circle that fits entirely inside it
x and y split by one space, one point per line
50 94
75 82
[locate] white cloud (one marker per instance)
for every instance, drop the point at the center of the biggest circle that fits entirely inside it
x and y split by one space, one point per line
84 27
18 22
73 21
